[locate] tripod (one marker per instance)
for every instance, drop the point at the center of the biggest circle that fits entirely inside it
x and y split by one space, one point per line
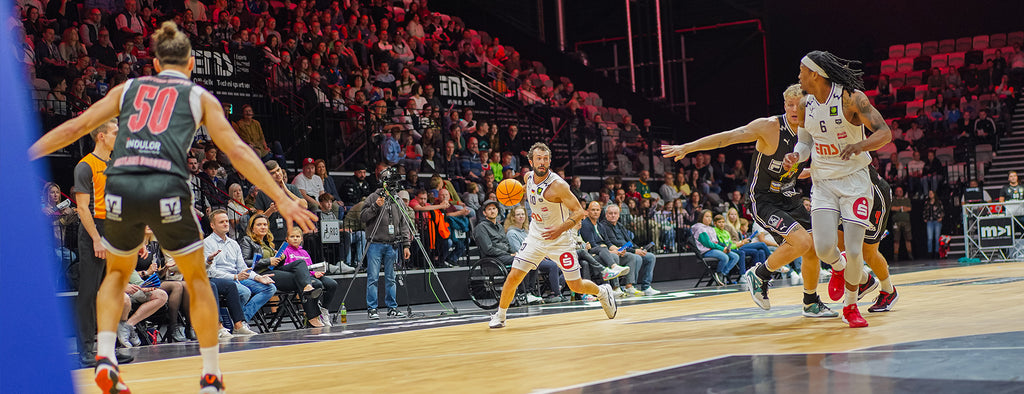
392 201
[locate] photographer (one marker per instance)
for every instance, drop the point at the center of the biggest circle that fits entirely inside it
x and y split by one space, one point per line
386 229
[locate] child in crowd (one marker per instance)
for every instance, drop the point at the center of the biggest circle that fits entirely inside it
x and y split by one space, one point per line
294 253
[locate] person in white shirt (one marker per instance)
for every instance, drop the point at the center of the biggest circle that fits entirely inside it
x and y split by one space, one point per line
224 261
309 183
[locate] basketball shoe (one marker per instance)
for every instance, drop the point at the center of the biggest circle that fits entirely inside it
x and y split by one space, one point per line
604 294
852 317
211 384
837 282
496 322
757 288
818 309
108 377
867 287
884 301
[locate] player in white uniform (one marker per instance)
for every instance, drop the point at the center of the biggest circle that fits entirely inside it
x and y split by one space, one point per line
836 114
555 211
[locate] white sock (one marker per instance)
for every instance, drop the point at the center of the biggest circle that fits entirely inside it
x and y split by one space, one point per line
501 313
839 265
210 364
105 341
851 297
887 285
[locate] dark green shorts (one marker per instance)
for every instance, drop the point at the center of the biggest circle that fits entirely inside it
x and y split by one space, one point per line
161 201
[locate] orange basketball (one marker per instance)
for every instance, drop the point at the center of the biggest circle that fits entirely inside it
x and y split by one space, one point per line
510 192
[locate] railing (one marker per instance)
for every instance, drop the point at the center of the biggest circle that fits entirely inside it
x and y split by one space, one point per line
993 232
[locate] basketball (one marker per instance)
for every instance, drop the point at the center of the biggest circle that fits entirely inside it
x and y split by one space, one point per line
510 192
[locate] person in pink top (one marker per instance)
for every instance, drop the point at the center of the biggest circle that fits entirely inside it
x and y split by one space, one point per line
294 252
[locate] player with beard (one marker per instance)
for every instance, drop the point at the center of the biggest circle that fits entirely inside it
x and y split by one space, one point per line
555 212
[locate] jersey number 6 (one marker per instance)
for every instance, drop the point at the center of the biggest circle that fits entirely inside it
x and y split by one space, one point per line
153 109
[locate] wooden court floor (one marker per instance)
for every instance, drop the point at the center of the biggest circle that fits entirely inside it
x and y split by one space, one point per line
554 351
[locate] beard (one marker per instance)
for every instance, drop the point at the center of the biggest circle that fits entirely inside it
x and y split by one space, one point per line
541 171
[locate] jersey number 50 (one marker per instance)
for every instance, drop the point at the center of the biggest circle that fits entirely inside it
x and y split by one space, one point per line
153 109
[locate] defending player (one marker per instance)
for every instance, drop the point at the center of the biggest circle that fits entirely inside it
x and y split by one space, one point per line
777 205
835 117
147 185
555 211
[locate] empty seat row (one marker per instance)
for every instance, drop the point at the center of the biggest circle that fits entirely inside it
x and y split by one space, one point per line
963 44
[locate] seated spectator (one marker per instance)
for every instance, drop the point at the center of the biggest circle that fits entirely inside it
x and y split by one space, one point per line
156 263
150 299
294 255
224 260
886 94
709 246
617 235
759 250
459 216
310 185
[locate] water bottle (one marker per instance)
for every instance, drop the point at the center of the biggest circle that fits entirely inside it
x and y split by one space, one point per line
343 314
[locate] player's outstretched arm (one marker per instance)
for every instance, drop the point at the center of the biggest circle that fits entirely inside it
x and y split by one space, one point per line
245 161
562 194
71 130
748 133
873 120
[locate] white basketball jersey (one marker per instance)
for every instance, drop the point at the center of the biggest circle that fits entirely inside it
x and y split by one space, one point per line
544 214
832 132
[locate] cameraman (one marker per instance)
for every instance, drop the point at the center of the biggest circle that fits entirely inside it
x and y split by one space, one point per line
385 229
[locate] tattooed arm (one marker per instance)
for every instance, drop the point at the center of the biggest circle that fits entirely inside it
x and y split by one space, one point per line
865 113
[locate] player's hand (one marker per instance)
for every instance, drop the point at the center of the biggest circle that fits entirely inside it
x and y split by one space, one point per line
676 151
850 150
294 214
790 159
98 249
551 233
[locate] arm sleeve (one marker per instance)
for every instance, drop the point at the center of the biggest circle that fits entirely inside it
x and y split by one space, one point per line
803 145
706 241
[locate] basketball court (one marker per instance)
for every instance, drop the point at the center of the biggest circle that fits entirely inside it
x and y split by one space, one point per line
954 329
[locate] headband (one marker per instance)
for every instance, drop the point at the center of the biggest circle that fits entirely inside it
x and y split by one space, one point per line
813 66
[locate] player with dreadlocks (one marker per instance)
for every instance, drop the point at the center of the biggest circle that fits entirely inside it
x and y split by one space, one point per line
836 114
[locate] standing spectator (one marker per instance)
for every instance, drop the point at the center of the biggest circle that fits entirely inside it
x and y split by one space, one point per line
934 212
387 232
1012 191
915 170
901 227
224 261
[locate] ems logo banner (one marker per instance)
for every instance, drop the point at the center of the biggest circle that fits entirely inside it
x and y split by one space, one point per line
995 232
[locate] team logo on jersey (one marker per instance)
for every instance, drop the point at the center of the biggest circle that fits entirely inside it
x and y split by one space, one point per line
170 209
775 166
114 207
860 208
775 221
839 121
567 260
833 110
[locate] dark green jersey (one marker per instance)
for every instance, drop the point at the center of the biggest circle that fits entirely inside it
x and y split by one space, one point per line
767 174
159 117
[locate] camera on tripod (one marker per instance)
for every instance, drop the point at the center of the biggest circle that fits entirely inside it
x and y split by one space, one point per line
391 180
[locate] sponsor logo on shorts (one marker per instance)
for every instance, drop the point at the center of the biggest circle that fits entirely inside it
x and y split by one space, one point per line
170 209
114 207
567 260
775 221
860 208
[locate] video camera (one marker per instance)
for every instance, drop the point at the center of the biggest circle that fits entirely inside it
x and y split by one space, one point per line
391 180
